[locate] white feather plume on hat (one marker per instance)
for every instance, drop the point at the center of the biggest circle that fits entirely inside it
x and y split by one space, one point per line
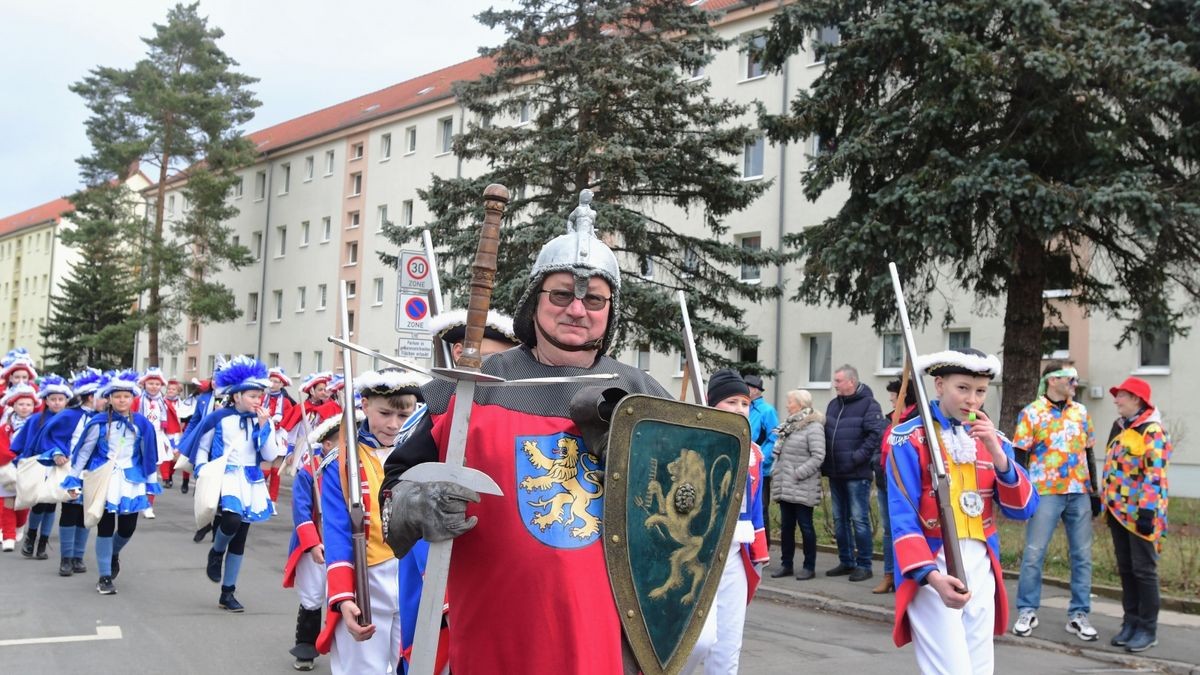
389 382
986 365
444 323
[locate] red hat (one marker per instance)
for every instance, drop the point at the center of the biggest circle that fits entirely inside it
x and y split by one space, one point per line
1136 386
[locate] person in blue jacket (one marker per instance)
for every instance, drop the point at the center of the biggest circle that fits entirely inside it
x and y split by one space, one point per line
54 394
763 421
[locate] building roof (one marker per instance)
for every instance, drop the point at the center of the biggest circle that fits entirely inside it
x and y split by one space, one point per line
390 100
38 215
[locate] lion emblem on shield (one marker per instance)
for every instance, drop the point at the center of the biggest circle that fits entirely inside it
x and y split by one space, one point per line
570 505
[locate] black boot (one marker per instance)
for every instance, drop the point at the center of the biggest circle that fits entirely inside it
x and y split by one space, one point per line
77 566
215 558
308 627
64 568
27 545
184 486
201 533
41 548
227 601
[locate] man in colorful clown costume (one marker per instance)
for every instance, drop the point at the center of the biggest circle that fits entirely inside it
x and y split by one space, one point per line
389 397
566 321
245 437
952 629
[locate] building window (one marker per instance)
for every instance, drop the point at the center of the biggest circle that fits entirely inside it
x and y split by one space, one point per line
239 187
410 140
212 363
829 36
252 308
281 232
318 360
286 176
959 339
356 151
329 162
378 284
350 322
751 272
893 351
752 157
326 228
646 267
820 359
237 240
351 289
304 228
643 357
696 72
277 299
194 332
273 359
260 185
385 147
1056 343
256 247
406 213
321 297
352 253
524 114
755 44
308 168
191 361
383 221
301 298
748 354
446 134
297 362
171 204
819 146
174 365
355 184
353 220
691 262
1155 351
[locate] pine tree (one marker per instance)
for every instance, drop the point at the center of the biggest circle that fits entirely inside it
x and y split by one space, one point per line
93 321
182 103
606 87
989 145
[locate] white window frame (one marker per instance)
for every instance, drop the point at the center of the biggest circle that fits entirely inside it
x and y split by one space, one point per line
326 229
808 353
305 231
406 213
378 291
356 183
277 299
759 146
410 140
445 135
286 168
329 162
381 216
748 63
301 298
322 296
741 242
1151 369
385 147
884 369
281 232
309 165
351 254
252 307
357 151
260 186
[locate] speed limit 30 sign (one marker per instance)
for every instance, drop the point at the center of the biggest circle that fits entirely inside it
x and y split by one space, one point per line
415 274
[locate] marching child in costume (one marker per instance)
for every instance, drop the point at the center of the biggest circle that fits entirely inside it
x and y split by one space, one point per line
278 404
59 438
126 439
18 402
154 406
720 644
29 446
318 404
244 437
389 397
952 629
305 569
17 369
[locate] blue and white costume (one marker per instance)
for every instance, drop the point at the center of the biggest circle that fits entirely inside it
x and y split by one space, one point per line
245 443
130 443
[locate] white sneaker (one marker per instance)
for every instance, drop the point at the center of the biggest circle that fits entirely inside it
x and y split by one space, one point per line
1079 625
9 544
1026 621
149 513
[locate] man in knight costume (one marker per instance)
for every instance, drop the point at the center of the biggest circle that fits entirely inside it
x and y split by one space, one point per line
509 545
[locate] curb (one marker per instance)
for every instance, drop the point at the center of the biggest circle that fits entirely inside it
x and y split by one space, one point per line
886 616
1171 602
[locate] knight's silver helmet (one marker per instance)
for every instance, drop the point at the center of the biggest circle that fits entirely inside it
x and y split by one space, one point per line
582 254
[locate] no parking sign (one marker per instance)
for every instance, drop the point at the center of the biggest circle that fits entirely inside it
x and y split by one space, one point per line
412 313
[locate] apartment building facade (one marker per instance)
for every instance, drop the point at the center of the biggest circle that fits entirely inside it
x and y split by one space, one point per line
312 209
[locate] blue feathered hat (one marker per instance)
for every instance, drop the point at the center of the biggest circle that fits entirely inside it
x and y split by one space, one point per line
86 382
13 355
242 373
124 380
53 384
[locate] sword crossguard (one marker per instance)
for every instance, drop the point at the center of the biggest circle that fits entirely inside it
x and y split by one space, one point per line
472 479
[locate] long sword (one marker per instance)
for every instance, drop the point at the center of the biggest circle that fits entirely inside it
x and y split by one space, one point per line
435 294
354 497
467 371
940 479
689 346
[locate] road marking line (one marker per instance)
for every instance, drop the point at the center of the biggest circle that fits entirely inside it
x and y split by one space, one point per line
102 633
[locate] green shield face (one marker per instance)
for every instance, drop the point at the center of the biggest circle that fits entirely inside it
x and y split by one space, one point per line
676 478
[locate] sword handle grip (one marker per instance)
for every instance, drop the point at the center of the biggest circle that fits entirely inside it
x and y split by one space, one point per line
483 276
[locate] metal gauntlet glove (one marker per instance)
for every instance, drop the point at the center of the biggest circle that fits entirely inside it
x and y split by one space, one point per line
434 512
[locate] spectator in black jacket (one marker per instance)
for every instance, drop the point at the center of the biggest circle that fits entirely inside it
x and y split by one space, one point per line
853 431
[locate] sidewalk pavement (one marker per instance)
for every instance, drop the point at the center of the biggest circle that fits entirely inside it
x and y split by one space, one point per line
1178 649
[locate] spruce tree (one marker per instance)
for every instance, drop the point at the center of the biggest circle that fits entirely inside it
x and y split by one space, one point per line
182 103
993 146
93 320
606 88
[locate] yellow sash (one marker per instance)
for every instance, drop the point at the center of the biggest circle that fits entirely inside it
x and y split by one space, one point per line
963 479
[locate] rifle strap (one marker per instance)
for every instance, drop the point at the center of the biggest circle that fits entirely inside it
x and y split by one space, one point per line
898 412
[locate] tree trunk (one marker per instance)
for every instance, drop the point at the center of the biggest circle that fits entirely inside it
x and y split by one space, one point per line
1024 319
154 302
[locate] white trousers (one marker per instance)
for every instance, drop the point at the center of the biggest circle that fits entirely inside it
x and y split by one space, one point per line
310 582
381 653
719 647
957 641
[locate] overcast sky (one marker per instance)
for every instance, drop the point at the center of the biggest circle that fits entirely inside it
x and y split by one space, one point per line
308 54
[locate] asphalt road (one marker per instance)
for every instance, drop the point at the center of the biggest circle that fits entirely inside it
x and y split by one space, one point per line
166 616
